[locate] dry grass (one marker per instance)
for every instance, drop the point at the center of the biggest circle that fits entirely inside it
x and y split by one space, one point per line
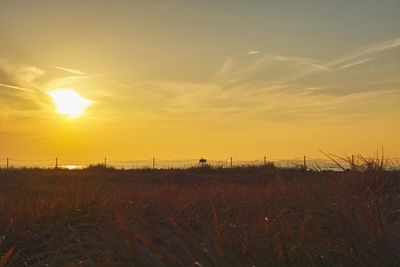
199 217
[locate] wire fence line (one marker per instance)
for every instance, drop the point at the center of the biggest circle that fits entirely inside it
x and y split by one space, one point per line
338 163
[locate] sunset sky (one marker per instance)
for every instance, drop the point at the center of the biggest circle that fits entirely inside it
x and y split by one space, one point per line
184 79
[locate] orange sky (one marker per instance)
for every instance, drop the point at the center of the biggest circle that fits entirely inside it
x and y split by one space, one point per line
185 79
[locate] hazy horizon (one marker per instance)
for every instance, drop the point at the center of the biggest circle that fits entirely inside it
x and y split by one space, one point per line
186 79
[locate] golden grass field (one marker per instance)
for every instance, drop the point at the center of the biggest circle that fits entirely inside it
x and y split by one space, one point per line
256 216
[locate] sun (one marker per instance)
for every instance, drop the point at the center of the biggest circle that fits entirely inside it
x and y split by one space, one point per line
69 103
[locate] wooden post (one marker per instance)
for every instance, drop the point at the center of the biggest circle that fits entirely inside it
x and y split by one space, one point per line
231 162
105 162
304 163
265 160
56 163
154 163
8 161
352 163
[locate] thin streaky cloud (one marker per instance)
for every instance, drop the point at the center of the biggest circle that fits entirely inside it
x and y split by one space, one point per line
73 71
378 47
121 84
356 63
367 95
367 50
227 66
349 58
17 87
304 61
311 65
66 81
253 52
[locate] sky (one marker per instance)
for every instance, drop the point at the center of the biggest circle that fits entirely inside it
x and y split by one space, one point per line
187 79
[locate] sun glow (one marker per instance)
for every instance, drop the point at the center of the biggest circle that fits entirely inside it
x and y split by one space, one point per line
69 103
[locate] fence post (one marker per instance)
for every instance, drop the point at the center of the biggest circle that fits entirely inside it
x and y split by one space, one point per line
56 163
154 163
352 163
231 162
304 163
105 162
265 160
8 160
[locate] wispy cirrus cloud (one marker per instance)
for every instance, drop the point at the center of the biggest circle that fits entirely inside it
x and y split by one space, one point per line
67 81
18 88
120 84
226 66
314 64
22 74
20 78
360 56
367 50
29 73
253 52
208 100
267 68
21 90
356 63
288 69
72 71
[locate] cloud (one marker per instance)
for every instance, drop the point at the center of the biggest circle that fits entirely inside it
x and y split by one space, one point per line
227 66
23 74
120 84
356 63
69 81
271 69
209 101
16 87
19 77
20 92
72 71
311 87
367 50
23 89
305 61
29 73
378 47
265 67
253 52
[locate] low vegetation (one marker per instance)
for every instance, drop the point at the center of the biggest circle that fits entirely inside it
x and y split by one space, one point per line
258 216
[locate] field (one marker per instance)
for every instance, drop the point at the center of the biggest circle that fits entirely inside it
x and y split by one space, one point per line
258 216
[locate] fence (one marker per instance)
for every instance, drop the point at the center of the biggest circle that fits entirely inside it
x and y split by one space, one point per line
156 163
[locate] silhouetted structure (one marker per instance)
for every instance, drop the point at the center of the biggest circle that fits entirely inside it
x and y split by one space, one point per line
202 162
